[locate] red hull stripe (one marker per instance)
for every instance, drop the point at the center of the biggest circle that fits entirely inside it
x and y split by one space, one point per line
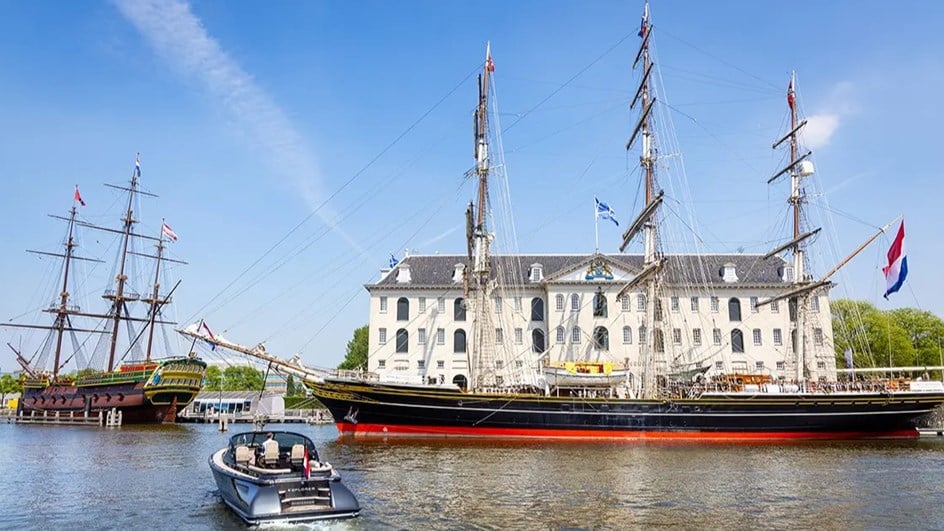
346 428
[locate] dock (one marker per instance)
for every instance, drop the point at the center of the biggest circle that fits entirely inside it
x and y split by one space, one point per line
107 419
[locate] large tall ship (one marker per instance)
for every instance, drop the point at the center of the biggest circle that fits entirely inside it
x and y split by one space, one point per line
128 369
513 391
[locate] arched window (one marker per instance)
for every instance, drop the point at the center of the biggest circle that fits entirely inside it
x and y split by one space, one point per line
461 381
403 309
627 335
792 306
458 309
658 340
537 309
734 310
537 340
599 304
403 340
574 302
643 335
601 338
560 334
575 335
458 341
737 341
559 300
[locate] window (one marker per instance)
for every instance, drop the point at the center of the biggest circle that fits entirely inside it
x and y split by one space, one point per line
601 338
778 337
422 303
643 336
383 304
737 341
441 304
537 309
559 302
499 336
657 310
716 336
498 304
694 304
658 340
574 303
519 336
599 304
696 337
719 365
403 309
818 337
714 305
814 303
677 336
519 363
458 309
754 308
458 341
641 302
625 303
381 364
674 304
499 364
759 365
420 364
403 341
627 335
792 307
421 336
820 365
781 365
440 364
517 304
560 334
734 310
440 336
775 307
757 337
575 335
382 335
537 340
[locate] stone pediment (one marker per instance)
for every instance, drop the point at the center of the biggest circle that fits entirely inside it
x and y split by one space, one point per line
595 269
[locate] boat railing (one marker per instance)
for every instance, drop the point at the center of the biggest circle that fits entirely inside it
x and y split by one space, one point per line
113 377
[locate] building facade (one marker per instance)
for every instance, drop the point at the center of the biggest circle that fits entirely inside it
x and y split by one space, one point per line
558 308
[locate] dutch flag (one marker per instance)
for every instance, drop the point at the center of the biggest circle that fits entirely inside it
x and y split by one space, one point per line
897 268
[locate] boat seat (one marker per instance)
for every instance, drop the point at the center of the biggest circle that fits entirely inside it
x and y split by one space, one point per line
243 455
297 457
270 455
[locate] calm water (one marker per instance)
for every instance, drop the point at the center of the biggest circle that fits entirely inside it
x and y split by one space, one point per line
157 478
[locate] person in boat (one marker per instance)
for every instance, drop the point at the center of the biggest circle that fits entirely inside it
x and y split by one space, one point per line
269 446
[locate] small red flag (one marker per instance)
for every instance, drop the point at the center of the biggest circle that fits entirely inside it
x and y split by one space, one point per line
78 197
791 97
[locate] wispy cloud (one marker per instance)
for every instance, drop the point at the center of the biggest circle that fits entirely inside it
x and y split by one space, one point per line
179 37
822 125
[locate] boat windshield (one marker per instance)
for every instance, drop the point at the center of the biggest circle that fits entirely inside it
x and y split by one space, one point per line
285 439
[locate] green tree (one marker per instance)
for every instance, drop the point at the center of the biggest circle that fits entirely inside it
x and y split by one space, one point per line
8 386
925 331
292 388
242 378
214 377
356 357
875 337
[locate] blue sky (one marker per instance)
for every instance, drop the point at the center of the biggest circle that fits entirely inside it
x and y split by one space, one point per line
251 116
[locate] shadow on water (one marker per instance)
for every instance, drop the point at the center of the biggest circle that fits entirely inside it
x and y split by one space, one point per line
157 477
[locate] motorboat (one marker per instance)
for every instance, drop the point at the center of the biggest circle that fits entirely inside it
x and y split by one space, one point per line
283 481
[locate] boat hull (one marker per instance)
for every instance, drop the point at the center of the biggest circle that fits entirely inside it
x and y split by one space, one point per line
367 408
151 396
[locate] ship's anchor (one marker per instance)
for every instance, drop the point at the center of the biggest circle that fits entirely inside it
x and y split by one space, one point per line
351 415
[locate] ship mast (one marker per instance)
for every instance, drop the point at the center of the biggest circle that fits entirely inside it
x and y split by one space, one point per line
645 222
62 312
482 369
155 303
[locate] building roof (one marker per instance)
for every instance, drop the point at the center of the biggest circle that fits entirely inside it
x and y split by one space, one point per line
697 269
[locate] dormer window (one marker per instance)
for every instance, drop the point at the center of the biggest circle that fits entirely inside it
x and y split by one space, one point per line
403 274
729 273
459 274
786 274
537 273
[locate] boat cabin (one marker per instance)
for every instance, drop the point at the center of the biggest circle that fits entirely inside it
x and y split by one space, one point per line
250 453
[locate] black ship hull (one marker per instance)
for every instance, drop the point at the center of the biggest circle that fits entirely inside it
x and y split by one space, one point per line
368 408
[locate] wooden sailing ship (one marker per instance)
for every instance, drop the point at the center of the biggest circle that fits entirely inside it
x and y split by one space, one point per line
145 390
659 406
